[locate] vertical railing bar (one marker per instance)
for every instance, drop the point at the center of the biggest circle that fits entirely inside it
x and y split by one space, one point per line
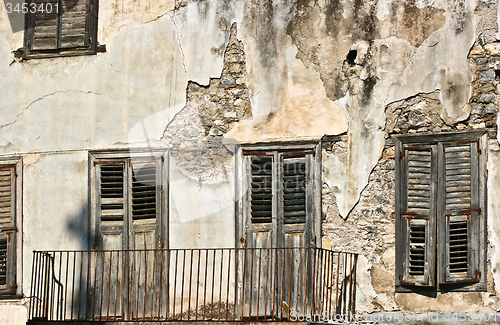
290 282
79 285
298 281
53 285
190 282
322 282
355 267
313 289
337 285
109 283
306 292
154 252
59 289
32 287
183 276
160 282
244 281
236 260
344 292
220 281
175 282
267 283
146 255
130 313
228 280
280 303
350 284
138 294
66 286
251 284
329 283
116 283
275 283
258 283
94 291
45 289
125 281
197 286
205 284
102 283
213 287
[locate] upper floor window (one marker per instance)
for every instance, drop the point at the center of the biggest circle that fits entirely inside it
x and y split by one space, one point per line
440 212
60 27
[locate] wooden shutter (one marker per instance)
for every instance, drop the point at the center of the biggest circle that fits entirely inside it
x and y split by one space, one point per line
8 230
416 255
74 31
44 24
261 189
145 198
111 203
294 190
459 212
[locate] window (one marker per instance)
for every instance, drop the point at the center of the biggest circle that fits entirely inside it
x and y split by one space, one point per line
60 27
280 196
10 228
440 212
127 200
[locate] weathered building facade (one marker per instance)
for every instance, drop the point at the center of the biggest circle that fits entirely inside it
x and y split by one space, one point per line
386 111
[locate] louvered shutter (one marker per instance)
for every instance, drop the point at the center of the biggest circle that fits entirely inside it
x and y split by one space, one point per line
74 31
44 24
8 230
111 203
459 212
60 24
417 216
261 195
294 190
145 196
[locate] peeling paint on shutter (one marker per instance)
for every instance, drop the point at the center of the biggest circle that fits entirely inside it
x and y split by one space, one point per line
417 216
294 190
261 190
45 22
459 221
74 29
111 183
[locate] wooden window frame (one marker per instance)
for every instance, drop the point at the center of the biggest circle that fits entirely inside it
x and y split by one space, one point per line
13 288
102 156
437 263
242 202
90 35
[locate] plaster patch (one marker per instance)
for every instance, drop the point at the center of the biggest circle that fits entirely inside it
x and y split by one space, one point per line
32 157
494 214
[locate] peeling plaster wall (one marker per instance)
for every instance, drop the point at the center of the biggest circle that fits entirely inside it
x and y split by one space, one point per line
196 76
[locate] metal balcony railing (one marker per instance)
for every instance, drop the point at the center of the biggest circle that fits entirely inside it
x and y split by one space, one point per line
224 284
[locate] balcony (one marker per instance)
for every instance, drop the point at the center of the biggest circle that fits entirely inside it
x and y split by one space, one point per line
192 285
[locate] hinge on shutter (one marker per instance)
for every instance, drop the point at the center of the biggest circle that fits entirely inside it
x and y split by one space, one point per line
408 215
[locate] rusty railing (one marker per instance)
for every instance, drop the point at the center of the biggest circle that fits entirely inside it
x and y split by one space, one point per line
226 284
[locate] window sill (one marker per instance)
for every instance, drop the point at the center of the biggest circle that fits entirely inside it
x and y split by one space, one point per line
63 53
477 287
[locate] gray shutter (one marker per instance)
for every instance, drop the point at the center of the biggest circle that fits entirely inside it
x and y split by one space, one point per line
44 25
417 216
294 190
145 199
8 230
111 187
74 31
261 196
459 212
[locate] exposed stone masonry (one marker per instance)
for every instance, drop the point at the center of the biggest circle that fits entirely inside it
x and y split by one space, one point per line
195 135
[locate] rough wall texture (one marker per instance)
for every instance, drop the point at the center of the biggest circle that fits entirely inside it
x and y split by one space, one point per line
178 74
